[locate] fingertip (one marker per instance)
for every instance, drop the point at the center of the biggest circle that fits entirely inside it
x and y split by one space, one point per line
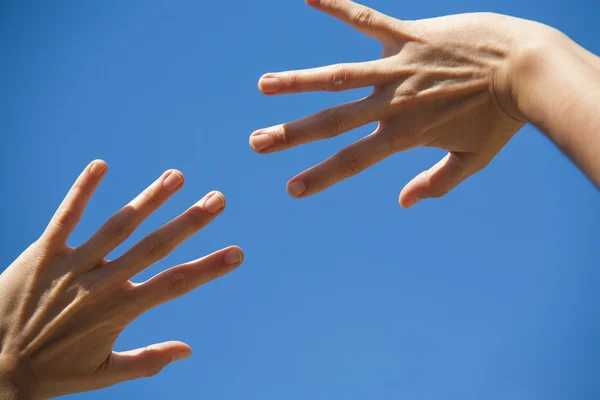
238 248
173 180
269 84
97 168
409 202
296 188
175 171
234 256
250 140
409 196
260 141
218 194
214 202
188 347
176 350
182 354
100 161
164 346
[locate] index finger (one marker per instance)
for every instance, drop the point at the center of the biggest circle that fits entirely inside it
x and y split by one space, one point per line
364 19
333 78
162 242
71 209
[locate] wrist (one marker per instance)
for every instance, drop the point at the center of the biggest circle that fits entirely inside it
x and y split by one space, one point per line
528 44
16 381
533 70
557 88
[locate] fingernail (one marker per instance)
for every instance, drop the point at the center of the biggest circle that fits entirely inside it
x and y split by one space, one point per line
296 188
269 85
233 256
214 203
261 141
173 181
97 169
181 355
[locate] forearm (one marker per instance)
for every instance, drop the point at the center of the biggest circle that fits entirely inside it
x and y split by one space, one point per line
558 91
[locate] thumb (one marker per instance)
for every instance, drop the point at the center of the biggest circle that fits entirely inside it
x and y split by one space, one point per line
441 178
145 362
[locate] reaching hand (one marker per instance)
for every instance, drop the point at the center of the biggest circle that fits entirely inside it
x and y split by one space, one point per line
443 83
62 308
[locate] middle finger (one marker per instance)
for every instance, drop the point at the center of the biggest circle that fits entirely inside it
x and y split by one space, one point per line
162 242
121 225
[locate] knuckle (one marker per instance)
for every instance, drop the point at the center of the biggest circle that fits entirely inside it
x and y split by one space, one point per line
179 284
282 137
79 187
197 217
156 249
350 164
292 80
124 311
363 17
153 369
329 122
65 217
117 228
337 78
330 4
398 143
43 248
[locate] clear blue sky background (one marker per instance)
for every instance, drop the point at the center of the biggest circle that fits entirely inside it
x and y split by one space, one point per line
490 293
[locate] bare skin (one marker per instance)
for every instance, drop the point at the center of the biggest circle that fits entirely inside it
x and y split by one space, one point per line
464 83
63 308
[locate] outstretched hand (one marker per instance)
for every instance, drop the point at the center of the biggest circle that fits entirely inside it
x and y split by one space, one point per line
443 83
63 308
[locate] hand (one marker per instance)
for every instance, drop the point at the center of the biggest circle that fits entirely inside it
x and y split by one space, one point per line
445 83
62 308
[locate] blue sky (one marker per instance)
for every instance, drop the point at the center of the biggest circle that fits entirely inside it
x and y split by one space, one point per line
489 293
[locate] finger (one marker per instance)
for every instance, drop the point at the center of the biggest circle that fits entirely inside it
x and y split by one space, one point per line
184 278
71 209
349 162
145 362
162 242
324 124
440 179
364 19
333 78
121 225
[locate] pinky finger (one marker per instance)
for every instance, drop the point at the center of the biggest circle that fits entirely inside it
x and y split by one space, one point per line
71 209
184 278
